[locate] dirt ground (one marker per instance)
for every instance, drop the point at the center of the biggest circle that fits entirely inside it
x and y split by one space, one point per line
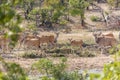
73 62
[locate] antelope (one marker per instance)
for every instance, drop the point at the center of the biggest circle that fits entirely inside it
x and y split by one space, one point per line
104 41
33 42
108 35
37 40
76 42
23 37
101 34
49 39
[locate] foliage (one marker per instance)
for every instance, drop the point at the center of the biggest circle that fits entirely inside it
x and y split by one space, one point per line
49 13
94 18
111 2
31 54
9 19
78 8
66 49
56 71
27 7
13 71
114 3
87 53
111 70
113 50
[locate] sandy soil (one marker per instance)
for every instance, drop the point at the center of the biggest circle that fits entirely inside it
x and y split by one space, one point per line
73 62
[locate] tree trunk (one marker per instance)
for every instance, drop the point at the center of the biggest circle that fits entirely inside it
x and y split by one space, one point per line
87 8
116 3
0 1
82 15
105 19
83 22
98 1
62 2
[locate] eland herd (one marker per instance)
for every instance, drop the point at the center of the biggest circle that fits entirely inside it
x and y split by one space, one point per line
28 40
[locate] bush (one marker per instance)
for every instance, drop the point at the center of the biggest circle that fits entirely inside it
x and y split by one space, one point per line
113 50
65 50
13 71
32 55
56 71
111 71
111 2
86 53
94 18
58 55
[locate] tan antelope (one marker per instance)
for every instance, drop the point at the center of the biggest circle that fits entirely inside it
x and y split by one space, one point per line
103 40
49 39
23 37
108 34
35 40
76 42
32 42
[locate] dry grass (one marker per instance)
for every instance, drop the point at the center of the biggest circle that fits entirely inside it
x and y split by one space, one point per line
86 36
75 62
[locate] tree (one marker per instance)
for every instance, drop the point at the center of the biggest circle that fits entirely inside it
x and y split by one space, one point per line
114 3
111 71
10 20
49 13
27 7
117 2
78 8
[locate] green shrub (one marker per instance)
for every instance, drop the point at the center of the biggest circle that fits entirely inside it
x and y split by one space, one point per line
31 55
65 50
13 71
86 53
94 18
111 2
58 55
56 71
113 50
111 70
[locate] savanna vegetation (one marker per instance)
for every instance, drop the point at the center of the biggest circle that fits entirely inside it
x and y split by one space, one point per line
55 39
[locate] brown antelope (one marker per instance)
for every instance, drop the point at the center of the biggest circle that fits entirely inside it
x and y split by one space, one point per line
103 40
32 42
23 37
76 42
35 40
49 39
108 34
101 34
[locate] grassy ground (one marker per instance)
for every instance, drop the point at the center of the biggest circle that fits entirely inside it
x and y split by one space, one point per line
74 61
